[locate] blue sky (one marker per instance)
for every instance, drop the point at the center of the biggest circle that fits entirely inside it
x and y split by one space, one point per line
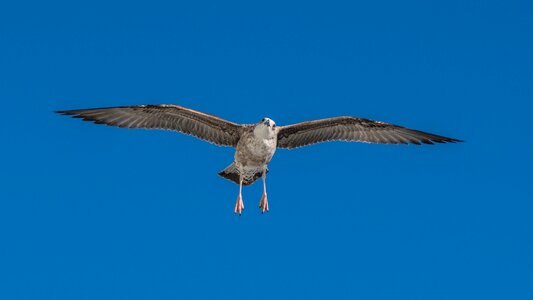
95 212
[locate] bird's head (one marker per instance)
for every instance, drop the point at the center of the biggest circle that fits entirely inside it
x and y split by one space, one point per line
266 128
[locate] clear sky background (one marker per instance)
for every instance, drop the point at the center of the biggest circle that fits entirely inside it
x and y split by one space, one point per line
95 212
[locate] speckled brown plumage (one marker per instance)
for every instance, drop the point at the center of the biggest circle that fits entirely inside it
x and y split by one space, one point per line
353 129
164 116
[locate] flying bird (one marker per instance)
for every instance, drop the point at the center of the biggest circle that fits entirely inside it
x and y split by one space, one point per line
255 144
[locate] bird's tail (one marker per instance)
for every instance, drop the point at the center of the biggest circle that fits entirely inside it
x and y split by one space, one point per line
231 173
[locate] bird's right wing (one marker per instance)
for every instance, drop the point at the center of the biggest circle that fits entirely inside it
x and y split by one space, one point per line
353 129
164 116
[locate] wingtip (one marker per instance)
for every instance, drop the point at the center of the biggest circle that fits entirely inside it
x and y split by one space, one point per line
63 112
433 141
452 140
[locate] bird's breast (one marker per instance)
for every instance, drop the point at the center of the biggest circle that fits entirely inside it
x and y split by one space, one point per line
256 151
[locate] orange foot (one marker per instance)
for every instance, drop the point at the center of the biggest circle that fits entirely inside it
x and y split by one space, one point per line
263 204
239 205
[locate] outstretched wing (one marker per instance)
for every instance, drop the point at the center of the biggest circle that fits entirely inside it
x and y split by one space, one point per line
353 129
164 116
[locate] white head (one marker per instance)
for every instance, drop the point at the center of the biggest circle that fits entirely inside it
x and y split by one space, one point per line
265 129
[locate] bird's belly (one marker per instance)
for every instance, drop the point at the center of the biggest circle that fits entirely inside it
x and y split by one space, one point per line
256 154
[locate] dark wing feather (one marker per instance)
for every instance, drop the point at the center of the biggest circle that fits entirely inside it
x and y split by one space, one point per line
164 116
353 129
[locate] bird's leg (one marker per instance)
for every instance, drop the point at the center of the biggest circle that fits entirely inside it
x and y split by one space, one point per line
263 204
239 205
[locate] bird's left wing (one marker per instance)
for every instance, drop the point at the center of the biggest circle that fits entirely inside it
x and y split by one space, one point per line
164 116
353 129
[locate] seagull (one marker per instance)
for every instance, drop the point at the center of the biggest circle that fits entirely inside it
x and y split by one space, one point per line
255 144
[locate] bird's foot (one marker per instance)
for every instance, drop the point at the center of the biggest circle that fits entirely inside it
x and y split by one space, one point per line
239 205
263 204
